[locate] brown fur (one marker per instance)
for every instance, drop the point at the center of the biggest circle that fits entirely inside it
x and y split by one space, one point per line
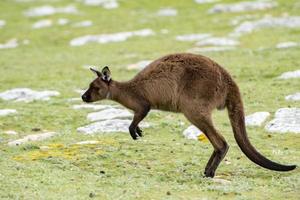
190 84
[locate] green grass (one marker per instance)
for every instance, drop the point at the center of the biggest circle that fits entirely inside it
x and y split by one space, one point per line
163 165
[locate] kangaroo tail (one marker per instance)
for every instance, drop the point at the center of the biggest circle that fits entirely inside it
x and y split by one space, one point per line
237 118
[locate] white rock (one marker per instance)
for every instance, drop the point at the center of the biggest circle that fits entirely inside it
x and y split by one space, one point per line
2 23
111 113
13 43
192 37
35 137
286 120
217 41
211 49
42 24
10 132
293 97
27 95
289 75
167 12
106 38
62 21
206 1
108 126
256 119
4 112
50 10
85 23
91 106
192 133
243 6
267 22
284 45
87 142
107 4
139 65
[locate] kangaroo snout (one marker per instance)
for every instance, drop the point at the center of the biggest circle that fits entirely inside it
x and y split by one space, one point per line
86 98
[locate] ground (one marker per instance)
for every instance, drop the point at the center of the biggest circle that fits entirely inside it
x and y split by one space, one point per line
163 165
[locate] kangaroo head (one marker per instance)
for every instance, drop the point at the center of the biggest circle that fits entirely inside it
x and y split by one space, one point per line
98 88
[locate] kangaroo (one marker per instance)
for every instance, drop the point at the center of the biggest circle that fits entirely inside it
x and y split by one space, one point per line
185 83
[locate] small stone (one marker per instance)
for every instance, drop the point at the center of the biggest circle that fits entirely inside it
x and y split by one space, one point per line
109 38
10 132
211 49
13 43
28 138
106 4
285 45
109 126
5 112
193 37
111 113
267 22
256 119
49 10
192 133
243 6
91 106
2 23
42 24
286 120
27 95
168 193
290 75
217 41
293 97
102 172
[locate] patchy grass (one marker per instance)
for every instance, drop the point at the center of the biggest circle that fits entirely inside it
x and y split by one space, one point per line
163 165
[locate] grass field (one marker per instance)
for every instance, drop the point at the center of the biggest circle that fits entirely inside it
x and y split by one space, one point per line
163 165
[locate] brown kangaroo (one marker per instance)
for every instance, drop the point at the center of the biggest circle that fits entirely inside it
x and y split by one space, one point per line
191 84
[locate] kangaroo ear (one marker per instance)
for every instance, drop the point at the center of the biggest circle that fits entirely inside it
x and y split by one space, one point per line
106 74
96 72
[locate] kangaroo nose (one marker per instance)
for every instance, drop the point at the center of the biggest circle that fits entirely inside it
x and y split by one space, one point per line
84 97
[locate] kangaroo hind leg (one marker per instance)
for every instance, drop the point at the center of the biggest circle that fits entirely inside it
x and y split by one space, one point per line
205 124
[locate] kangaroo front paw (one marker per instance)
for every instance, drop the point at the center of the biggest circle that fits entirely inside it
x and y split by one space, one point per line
139 131
133 133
